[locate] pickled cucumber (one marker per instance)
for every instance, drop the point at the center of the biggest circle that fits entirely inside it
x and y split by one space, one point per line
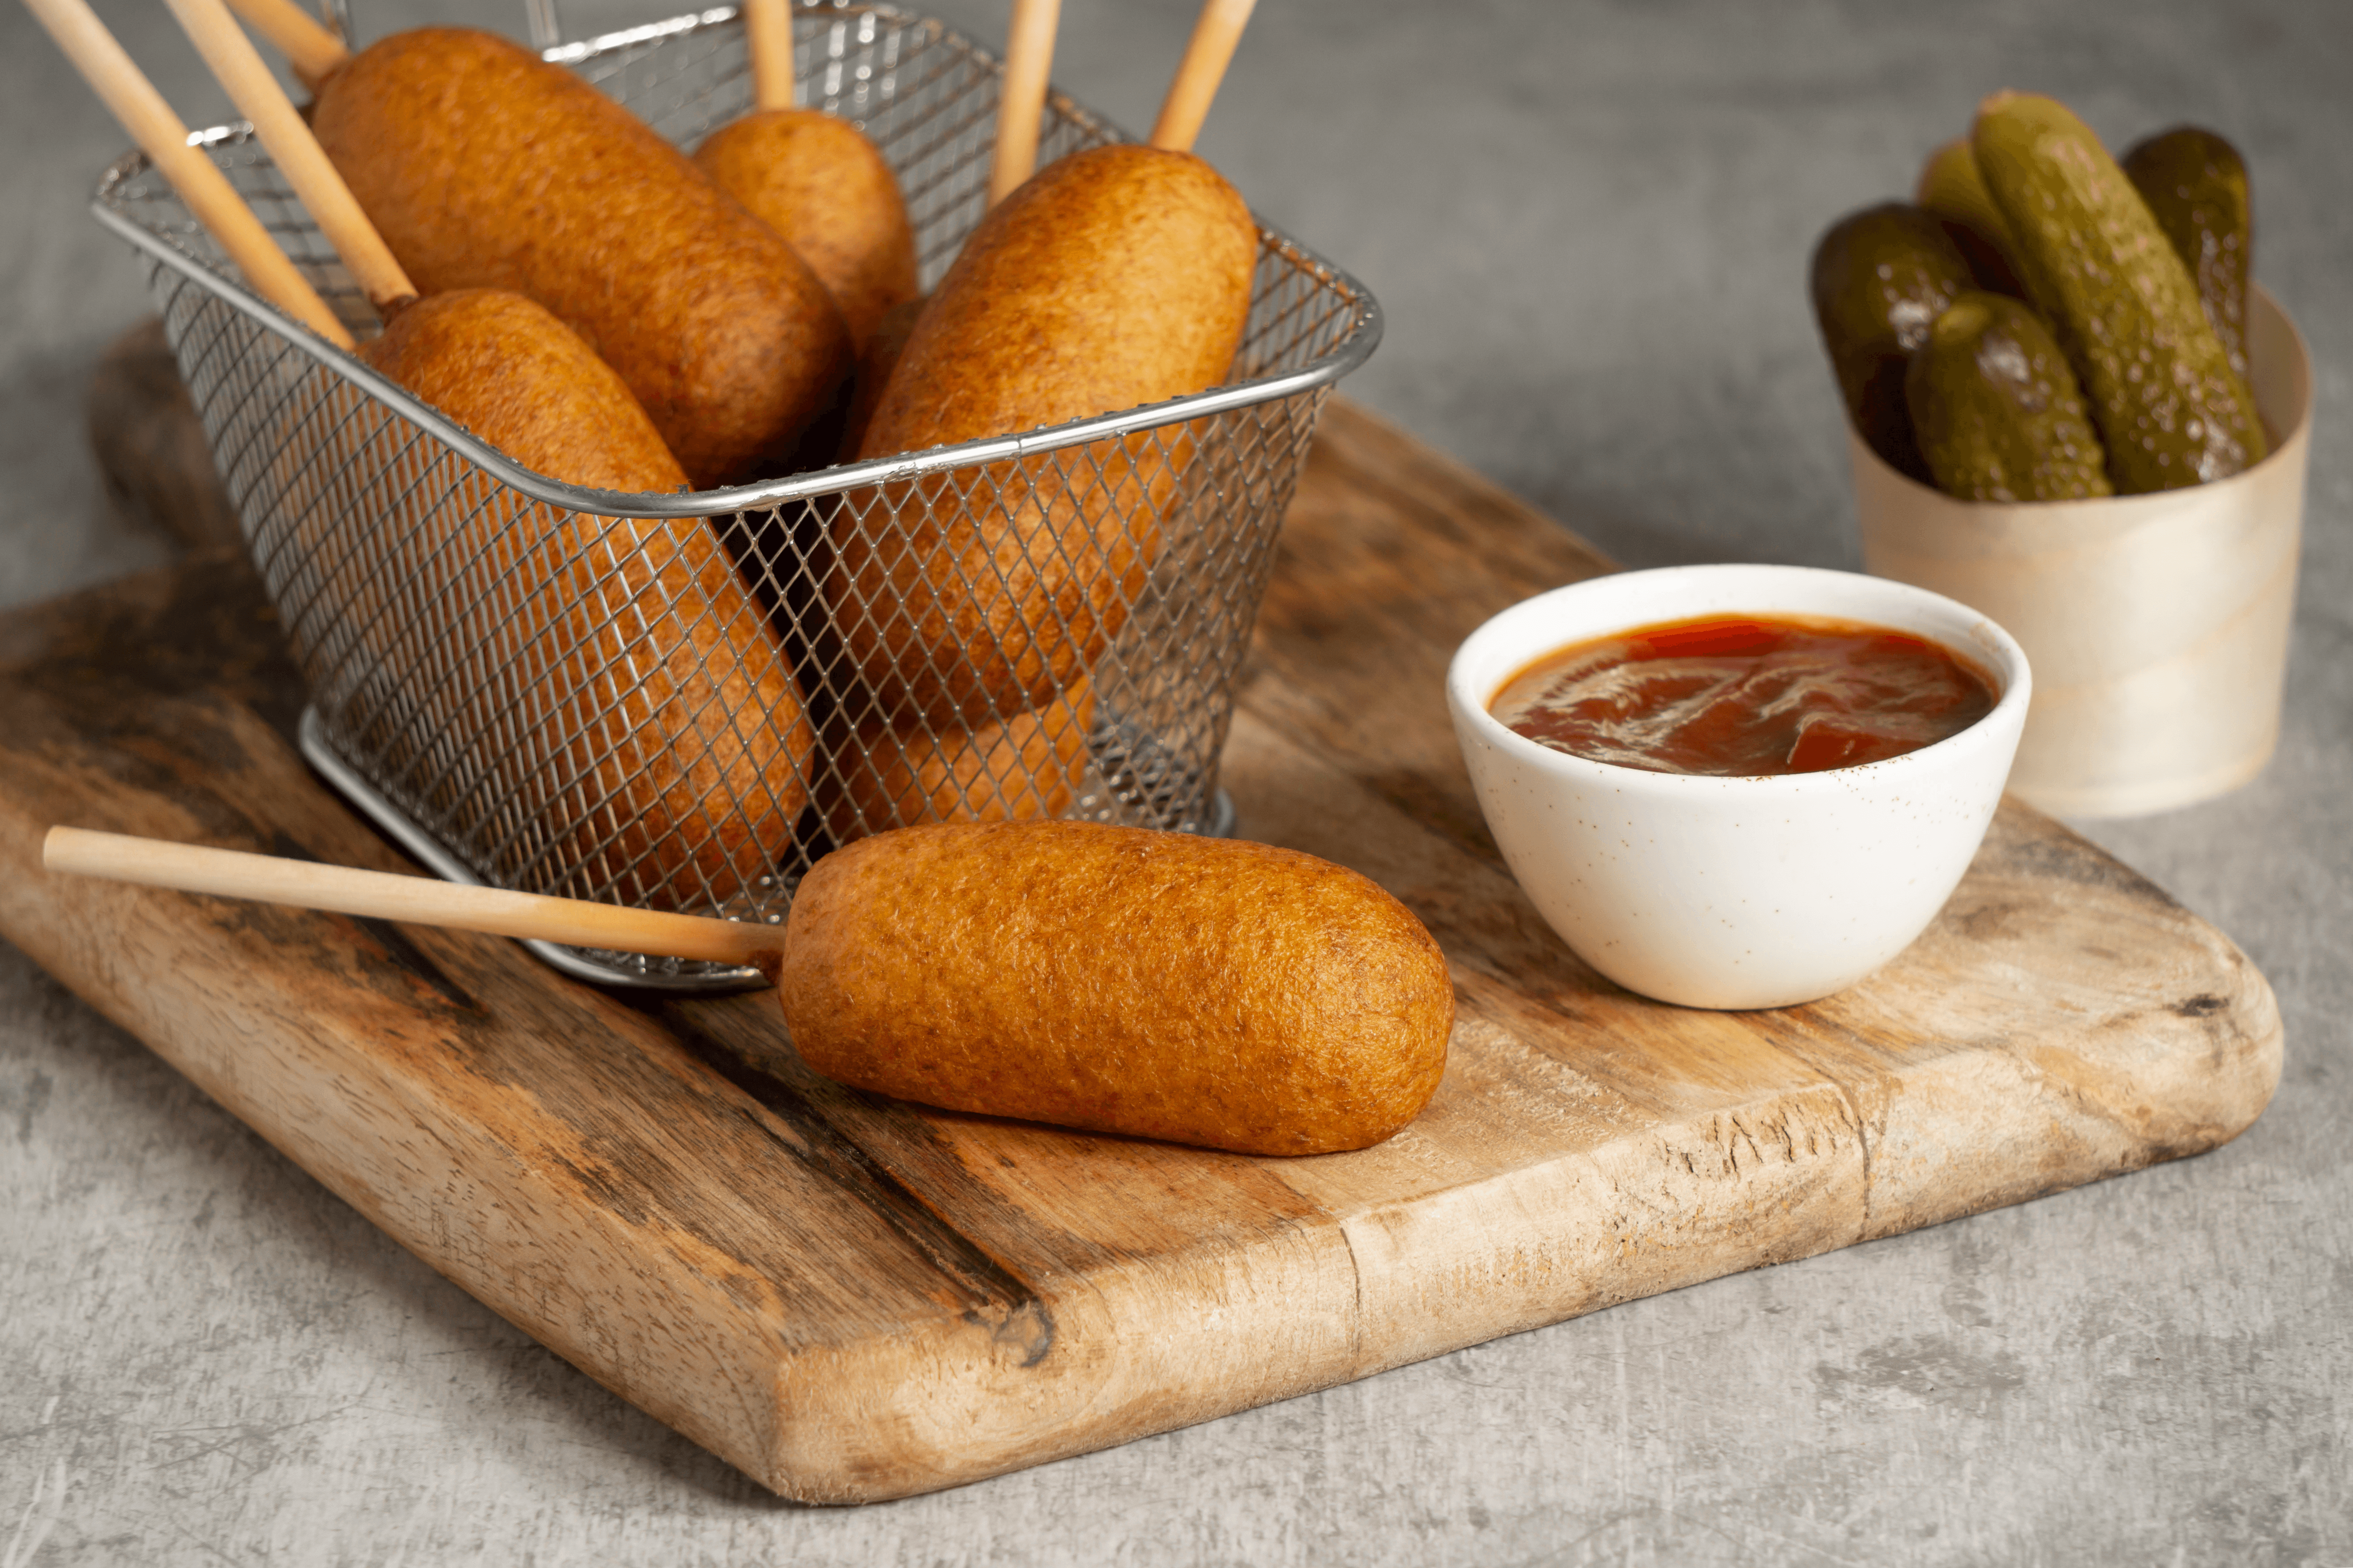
2195 183
1951 187
2170 410
1881 277
1997 410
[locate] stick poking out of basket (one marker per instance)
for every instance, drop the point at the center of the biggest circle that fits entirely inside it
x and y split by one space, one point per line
768 39
313 51
160 134
1021 94
1199 74
238 67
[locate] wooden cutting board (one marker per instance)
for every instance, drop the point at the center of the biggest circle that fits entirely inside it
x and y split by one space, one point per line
853 1299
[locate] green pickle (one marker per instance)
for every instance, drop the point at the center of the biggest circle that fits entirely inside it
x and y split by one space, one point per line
1997 410
2195 183
2169 408
1881 277
1951 187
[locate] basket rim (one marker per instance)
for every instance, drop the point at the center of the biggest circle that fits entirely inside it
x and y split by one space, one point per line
1356 345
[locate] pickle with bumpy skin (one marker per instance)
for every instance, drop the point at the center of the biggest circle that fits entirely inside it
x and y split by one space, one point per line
2170 410
2195 183
1879 277
1997 410
1951 187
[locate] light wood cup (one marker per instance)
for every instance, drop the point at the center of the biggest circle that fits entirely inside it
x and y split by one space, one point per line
2157 625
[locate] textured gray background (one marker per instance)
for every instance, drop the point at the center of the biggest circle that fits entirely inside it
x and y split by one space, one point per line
1588 225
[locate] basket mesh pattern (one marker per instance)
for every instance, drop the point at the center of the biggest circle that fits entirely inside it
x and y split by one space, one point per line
684 712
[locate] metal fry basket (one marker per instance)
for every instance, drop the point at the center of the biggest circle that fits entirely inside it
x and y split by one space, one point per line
426 581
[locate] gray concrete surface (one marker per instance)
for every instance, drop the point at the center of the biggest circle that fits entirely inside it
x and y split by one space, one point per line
1589 224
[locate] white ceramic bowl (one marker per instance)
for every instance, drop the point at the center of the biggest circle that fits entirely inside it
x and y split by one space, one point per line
1735 892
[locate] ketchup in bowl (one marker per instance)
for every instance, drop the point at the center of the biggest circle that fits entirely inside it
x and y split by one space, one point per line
1746 696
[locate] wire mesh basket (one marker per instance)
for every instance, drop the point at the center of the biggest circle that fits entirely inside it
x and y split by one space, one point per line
545 688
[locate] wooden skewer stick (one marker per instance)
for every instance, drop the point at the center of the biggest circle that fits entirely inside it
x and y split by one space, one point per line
238 67
768 35
1199 74
209 195
309 46
416 900
1021 94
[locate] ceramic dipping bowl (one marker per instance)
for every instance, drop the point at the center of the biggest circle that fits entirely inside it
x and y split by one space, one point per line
1711 891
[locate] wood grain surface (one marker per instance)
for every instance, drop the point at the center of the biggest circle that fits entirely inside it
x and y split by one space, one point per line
854 1298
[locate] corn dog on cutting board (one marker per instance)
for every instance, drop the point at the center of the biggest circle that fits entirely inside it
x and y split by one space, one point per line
852 1298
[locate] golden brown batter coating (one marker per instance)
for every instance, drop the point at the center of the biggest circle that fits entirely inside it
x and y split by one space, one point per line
1114 278
1016 770
486 167
708 744
1198 990
813 178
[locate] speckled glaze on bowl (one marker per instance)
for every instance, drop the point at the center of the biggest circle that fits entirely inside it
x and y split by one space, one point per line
1736 892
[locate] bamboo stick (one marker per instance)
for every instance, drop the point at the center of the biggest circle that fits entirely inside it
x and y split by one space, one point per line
160 134
238 67
1021 94
1215 35
309 46
768 35
415 900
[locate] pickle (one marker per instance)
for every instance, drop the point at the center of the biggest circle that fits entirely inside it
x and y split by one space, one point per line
1997 410
2195 183
2169 408
1881 277
1951 187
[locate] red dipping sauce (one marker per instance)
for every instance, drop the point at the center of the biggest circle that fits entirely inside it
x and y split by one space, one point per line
1746 696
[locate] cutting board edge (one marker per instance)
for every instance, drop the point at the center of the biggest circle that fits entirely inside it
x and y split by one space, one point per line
1081 1432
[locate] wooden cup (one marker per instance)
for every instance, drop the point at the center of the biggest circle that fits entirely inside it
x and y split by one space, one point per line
2157 625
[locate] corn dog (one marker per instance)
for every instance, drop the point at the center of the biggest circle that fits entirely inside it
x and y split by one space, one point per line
486 167
822 185
1200 990
1116 276
1156 984
684 742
